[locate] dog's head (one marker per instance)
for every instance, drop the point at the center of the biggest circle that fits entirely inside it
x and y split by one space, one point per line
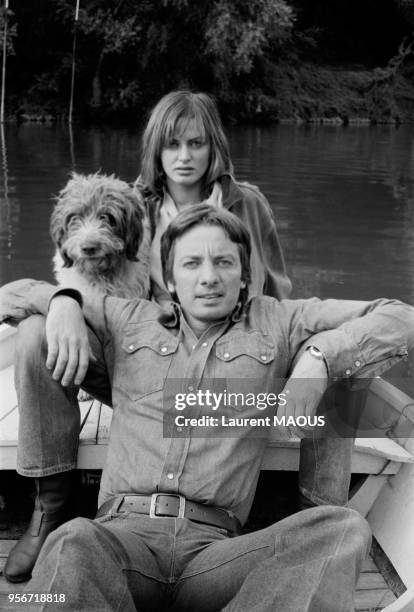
97 218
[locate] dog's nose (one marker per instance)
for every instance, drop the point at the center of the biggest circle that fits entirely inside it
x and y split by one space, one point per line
88 250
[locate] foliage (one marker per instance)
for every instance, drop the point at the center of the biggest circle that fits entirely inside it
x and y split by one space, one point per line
237 33
11 30
249 53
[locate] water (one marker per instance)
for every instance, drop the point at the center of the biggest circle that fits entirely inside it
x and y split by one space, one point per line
343 198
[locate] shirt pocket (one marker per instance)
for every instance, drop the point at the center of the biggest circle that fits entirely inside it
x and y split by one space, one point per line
244 356
147 353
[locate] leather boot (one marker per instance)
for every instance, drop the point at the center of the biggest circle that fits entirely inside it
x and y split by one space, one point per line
52 508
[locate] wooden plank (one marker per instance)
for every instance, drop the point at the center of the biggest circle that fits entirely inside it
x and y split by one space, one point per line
90 411
286 457
9 427
386 569
364 498
384 447
369 565
371 580
382 391
391 520
6 546
405 603
7 342
373 599
8 398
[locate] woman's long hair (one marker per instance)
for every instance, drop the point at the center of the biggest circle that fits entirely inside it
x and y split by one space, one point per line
169 118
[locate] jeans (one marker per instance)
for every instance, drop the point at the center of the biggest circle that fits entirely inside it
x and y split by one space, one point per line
49 422
309 561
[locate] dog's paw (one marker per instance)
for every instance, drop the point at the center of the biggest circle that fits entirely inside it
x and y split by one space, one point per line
83 396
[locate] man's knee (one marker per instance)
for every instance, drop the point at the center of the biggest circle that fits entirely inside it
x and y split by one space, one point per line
31 335
79 534
339 520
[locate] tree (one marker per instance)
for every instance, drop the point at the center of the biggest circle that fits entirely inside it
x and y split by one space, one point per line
238 33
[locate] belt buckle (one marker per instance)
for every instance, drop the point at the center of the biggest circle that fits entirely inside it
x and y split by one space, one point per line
152 511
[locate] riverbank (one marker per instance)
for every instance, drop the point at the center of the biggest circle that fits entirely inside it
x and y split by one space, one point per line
301 93
310 93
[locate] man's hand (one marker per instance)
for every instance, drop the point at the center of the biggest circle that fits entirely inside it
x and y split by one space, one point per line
67 339
304 390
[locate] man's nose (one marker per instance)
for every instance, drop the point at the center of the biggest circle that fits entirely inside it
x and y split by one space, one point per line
209 275
184 152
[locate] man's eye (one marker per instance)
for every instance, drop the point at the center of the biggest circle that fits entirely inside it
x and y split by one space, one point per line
225 263
191 265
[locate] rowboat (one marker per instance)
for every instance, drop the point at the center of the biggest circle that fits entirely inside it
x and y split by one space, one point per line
384 493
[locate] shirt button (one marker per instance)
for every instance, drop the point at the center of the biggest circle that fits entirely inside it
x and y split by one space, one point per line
204 344
347 372
226 355
191 388
263 357
170 476
131 347
164 349
357 363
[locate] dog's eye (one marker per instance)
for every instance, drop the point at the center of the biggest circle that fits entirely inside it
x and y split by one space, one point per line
71 218
108 218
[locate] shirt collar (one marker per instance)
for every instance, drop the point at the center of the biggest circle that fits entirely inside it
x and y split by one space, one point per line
173 316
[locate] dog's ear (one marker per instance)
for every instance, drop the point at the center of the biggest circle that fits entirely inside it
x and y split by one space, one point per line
134 227
67 261
57 232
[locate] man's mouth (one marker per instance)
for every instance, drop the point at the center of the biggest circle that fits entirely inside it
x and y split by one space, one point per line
210 296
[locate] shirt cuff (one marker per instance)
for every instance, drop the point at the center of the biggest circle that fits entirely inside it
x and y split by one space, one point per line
343 357
69 292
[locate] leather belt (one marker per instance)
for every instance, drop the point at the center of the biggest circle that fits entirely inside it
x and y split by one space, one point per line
160 505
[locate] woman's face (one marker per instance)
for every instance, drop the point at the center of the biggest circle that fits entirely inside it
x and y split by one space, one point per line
185 158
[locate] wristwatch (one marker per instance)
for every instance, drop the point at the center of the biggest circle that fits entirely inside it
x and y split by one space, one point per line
315 352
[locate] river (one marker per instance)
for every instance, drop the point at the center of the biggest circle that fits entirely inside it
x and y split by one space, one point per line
343 198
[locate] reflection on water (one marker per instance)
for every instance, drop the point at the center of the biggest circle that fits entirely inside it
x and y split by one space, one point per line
343 198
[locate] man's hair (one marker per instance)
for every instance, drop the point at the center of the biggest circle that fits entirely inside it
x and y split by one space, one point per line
169 118
204 214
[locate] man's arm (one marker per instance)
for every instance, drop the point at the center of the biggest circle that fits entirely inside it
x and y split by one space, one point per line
23 298
66 331
363 338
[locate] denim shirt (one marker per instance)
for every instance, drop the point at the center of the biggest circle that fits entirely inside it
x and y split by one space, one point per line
146 348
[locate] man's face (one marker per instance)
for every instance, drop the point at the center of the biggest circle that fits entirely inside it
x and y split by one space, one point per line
206 275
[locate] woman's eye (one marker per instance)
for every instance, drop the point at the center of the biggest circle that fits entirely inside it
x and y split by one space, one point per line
196 144
172 144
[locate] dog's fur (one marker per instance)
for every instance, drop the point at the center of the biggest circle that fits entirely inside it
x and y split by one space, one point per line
98 225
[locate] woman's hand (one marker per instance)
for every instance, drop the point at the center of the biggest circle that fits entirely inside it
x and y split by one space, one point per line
304 391
67 338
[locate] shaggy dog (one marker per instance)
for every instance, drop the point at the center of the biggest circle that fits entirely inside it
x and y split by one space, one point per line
98 227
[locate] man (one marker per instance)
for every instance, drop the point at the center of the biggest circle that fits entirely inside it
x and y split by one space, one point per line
170 506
